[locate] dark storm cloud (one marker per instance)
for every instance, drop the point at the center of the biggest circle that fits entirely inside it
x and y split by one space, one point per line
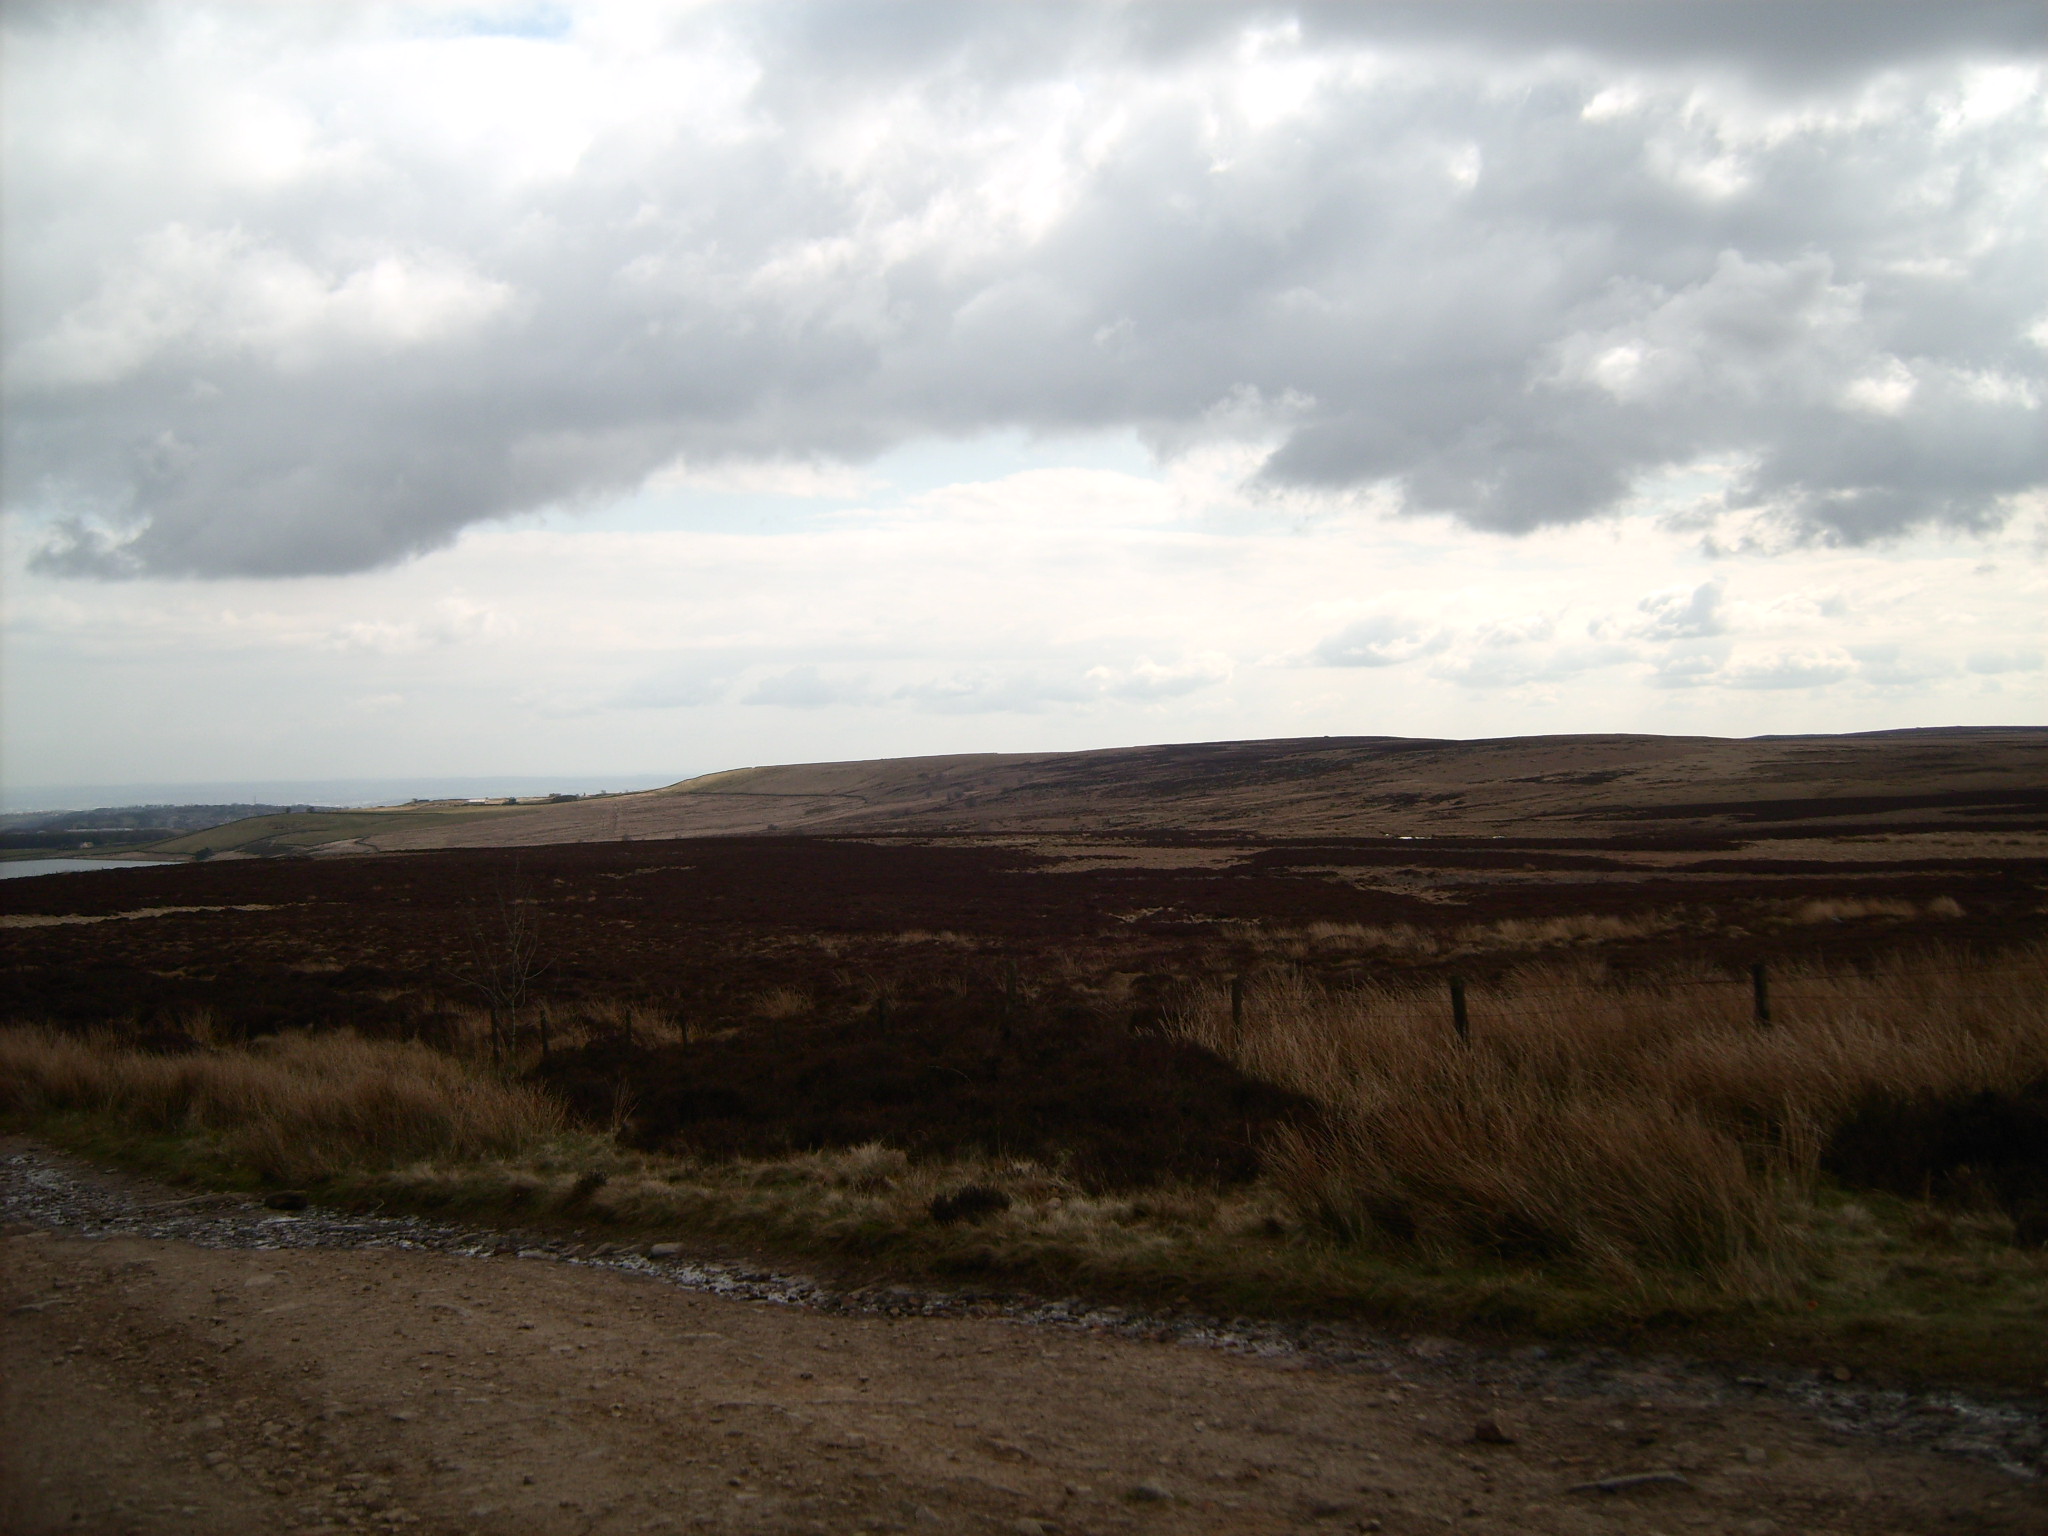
1509 260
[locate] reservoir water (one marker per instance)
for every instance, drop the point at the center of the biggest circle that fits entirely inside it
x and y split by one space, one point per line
15 869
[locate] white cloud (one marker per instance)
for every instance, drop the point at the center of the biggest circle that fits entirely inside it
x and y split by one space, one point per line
195 297
380 274
676 387
1149 681
1682 614
1379 640
806 687
1812 666
1991 663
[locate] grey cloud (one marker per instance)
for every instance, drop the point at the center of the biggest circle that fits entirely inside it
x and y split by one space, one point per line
1682 615
1894 666
680 688
1812 667
1688 667
1786 44
808 688
1511 305
1788 669
1383 640
991 691
1149 682
1514 666
1991 663
987 693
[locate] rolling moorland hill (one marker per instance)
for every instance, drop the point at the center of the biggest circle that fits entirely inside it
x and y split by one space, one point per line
1964 781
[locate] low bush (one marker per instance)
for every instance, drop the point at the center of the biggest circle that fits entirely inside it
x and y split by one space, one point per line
940 1077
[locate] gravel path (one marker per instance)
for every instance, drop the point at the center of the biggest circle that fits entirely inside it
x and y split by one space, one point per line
177 1363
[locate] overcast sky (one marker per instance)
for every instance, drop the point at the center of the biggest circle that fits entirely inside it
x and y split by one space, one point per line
449 389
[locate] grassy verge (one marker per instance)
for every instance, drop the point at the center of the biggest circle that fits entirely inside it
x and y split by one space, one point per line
1882 1285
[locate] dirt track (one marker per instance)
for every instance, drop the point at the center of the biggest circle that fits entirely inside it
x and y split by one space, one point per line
159 1386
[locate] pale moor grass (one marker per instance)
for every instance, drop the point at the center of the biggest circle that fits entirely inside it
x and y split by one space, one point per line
1600 1155
1569 930
291 1108
1624 1129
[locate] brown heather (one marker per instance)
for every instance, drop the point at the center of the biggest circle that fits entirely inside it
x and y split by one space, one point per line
292 1108
1620 1128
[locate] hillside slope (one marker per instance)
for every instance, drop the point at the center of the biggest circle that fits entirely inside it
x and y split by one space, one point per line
1963 779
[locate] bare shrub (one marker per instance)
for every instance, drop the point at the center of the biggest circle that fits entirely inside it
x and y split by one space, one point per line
502 962
1617 1127
295 1107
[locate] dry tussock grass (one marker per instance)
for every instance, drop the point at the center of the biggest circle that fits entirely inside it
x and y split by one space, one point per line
1413 941
783 1003
1573 929
293 1108
1624 1129
1847 909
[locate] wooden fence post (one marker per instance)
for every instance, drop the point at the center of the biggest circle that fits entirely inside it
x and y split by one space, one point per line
1460 1020
1760 994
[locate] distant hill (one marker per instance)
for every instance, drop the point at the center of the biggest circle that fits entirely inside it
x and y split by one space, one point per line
1963 780
117 826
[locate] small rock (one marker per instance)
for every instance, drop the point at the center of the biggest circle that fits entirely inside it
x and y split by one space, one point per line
1842 1373
665 1251
1150 1493
1755 1455
1630 1482
1490 1431
1026 1526
1433 1349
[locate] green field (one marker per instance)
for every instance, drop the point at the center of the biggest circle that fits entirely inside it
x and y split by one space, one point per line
283 833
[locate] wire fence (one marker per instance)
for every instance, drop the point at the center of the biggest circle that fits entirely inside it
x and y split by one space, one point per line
1649 983
1767 987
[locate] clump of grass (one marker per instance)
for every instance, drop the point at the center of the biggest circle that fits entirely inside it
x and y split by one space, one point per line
292 1108
1623 1130
783 1003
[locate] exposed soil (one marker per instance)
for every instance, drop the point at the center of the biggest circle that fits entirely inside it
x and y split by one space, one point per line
258 1372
